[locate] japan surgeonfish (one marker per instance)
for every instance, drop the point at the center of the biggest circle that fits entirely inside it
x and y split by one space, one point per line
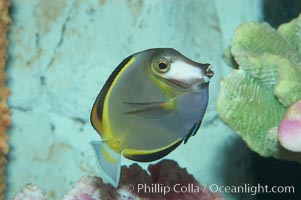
151 103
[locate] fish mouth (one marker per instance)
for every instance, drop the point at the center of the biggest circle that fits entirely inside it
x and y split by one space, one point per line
206 73
208 70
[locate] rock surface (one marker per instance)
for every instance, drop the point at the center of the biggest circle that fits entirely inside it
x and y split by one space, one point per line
61 53
4 93
30 192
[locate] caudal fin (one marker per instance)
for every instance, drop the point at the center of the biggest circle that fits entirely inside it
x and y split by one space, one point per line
108 160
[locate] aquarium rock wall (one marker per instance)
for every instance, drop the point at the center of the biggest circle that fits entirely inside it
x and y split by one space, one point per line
4 93
60 55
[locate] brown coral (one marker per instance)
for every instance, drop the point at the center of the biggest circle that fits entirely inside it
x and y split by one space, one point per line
4 92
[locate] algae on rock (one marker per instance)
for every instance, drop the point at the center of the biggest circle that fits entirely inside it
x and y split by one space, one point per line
266 80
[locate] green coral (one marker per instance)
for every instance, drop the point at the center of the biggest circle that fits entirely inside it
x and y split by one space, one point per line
266 80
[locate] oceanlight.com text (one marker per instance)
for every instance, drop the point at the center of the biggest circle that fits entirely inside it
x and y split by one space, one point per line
252 189
192 188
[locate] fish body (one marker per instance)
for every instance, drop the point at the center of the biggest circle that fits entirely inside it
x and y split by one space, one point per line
152 102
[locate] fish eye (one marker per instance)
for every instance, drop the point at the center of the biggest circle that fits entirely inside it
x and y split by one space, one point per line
162 66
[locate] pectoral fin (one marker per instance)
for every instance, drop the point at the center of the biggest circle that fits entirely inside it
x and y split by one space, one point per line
149 109
108 160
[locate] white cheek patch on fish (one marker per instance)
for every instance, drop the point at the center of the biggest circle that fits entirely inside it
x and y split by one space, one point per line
185 73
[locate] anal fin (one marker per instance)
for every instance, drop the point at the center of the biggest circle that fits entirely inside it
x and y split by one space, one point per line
192 132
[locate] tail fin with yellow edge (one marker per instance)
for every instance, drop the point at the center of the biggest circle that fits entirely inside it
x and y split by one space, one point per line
109 162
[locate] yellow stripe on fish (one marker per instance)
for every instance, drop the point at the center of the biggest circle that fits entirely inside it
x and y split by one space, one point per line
150 155
106 120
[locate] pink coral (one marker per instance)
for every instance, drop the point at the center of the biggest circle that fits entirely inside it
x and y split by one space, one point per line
167 181
182 185
289 129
